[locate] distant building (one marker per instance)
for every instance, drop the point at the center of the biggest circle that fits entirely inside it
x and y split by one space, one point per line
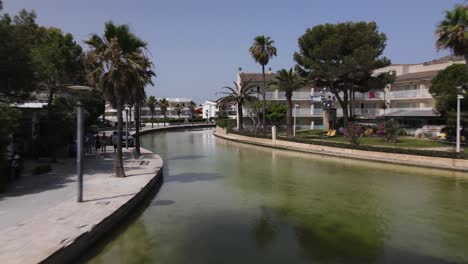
184 104
211 109
407 100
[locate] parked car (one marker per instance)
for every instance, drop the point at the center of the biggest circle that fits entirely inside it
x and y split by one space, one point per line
131 140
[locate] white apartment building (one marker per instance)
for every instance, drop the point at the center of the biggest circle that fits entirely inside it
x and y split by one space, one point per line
184 104
407 100
211 110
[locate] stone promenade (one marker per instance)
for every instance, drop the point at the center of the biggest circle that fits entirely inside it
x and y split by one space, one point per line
40 216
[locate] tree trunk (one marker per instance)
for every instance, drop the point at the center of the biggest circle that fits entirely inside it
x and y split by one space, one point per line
351 103
264 102
152 119
51 139
241 116
289 116
466 61
118 162
137 130
130 118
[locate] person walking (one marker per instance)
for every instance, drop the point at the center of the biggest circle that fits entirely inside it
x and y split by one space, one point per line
103 142
97 145
114 141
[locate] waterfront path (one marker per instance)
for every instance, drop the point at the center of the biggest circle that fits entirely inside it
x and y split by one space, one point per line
40 216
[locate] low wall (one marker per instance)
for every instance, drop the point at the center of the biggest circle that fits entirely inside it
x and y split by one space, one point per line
412 160
188 126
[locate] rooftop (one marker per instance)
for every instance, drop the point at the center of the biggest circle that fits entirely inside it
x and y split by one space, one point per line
256 77
425 75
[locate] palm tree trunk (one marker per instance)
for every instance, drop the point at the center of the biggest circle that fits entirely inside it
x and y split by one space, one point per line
241 116
264 102
289 117
152 119
137 130
351 102
118 162
50 127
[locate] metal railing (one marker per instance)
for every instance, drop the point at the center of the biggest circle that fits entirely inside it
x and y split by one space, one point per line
410 93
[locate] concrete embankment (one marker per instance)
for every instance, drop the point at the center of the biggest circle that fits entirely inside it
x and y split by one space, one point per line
64 231
403 159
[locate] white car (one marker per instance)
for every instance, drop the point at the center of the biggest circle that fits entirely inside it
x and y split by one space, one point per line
131 140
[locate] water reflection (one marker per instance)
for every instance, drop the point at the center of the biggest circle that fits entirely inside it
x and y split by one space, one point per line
237 203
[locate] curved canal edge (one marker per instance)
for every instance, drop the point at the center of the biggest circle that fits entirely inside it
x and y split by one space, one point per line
401 159
62 233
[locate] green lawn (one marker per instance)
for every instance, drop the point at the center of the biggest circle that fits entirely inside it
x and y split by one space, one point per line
403 142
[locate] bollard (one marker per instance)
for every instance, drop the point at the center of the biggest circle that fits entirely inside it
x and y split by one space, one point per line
273 134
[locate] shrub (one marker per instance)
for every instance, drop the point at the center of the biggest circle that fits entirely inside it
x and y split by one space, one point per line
392 128
41 169
353 132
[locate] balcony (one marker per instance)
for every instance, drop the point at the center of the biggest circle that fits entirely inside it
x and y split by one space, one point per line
369 111
393 109
424 93
280 95
369 96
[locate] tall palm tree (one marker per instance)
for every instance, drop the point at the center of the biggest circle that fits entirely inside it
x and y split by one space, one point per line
262 50
113 68
288 81
192 106
240 94
143 78
163 104
151 103
452 32
178 110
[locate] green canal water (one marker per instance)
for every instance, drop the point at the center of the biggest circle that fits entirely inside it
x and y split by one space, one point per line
225 202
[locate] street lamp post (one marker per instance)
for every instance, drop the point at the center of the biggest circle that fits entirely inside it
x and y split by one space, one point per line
79 149
459 97
126 127
295 114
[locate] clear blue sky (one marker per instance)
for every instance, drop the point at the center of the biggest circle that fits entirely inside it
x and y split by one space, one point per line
197 45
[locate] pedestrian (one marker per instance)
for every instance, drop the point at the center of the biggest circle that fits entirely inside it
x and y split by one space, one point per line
89 143
103 142
114 141
97 145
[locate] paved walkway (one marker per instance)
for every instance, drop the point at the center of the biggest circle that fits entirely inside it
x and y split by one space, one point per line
40 215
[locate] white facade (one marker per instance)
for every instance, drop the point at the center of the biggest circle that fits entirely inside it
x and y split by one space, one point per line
184 104
407 95
211 110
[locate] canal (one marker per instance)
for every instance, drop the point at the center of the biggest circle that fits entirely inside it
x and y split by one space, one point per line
225 202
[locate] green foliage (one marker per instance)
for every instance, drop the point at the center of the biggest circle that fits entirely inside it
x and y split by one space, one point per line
342 57
41 169
444 88
9 120
353 132
392 129
263 49
451 32
276 113
17 37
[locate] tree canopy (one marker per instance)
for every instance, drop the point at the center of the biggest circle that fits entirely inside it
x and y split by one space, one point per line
343 58
444 88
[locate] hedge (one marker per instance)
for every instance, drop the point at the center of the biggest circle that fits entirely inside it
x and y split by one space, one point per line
420 152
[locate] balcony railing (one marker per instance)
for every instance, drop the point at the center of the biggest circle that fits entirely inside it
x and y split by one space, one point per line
394 109
369 111
370 95
410 94
296 95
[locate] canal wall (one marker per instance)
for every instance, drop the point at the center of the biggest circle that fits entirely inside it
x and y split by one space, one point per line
170 128
63 233
403 159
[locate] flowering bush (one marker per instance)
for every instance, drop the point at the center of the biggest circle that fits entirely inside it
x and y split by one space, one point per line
353 132
390 130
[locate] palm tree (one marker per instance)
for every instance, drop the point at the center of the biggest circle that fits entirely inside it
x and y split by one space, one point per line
241 94
262 51
178 110
113 67
163 104
451 32
151 103
192 106
288 81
